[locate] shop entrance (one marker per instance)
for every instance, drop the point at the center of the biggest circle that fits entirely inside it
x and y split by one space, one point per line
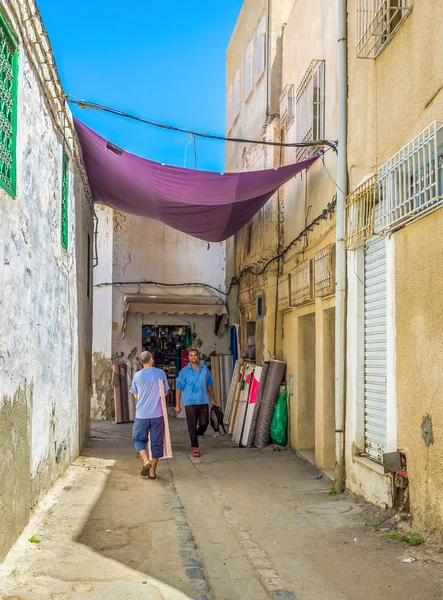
168 345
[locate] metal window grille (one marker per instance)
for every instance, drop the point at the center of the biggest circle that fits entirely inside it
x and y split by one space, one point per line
283 293
360 213
8 108
64 231
287 107
411 182
324 278
310 109
377 22
301 283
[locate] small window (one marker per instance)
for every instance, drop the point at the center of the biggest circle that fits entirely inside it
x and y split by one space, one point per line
261 48
377 22
310 108
249 67
237 94
64 230
8 108
230 110
260 306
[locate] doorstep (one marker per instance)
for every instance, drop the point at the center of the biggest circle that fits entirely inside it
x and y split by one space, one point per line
309 455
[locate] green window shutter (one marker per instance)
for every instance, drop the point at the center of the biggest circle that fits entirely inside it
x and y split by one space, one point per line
65 203
8 108
88 283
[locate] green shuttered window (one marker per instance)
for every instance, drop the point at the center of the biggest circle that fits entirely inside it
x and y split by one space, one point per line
65 203
8 108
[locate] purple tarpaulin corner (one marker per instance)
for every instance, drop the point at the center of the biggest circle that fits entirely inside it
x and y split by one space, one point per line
206 205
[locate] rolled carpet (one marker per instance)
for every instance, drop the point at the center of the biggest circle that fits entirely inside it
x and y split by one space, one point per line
253 429
273 380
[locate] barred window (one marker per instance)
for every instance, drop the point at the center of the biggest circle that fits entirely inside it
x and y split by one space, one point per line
377 22
8 108
64 231
310 108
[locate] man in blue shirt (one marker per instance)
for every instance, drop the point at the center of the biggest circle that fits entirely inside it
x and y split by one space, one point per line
195 385
149 420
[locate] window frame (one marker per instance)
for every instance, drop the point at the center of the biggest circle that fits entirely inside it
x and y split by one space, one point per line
310 111
11 189
64 205
249 69
376 23
236 104
261 34
230 108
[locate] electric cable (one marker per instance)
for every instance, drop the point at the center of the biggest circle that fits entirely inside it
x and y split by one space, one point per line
85 104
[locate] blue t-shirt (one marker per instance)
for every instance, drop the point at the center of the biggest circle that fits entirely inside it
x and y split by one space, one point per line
145 384
194 384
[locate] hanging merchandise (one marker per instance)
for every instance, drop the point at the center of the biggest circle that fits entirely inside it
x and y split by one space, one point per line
279 423
168 344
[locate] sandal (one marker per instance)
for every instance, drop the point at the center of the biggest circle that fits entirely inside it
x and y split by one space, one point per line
145 471
152 476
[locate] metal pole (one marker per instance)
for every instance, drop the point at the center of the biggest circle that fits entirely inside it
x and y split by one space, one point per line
340 292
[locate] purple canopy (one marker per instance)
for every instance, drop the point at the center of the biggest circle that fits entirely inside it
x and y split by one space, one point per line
209 206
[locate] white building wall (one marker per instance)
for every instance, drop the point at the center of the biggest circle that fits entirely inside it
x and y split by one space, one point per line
41 384
147 250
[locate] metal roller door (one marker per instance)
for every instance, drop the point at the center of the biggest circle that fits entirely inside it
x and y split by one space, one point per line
375 348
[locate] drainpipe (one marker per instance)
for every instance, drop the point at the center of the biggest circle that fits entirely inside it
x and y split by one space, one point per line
340 292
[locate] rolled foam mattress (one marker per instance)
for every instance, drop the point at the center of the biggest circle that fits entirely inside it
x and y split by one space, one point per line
274 378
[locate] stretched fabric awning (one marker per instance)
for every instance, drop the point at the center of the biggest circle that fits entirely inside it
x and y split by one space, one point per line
209 206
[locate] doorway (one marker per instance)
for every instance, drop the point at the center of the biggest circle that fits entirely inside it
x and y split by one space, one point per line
306 387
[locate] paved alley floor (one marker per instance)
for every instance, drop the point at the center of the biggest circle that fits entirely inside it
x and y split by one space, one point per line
236 524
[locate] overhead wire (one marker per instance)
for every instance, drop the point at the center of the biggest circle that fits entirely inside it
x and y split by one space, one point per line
85 104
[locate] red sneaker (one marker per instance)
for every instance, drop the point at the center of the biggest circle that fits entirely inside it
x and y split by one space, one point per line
196 454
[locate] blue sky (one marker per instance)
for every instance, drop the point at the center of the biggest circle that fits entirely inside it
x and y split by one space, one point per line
159 59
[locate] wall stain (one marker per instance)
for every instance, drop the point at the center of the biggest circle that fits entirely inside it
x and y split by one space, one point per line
426 430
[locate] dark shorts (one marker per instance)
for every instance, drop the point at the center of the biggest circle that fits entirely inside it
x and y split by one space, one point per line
154 428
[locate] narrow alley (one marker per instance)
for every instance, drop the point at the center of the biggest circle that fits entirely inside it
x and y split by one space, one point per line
236 524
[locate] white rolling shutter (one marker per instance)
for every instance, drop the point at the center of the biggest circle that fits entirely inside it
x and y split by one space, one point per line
375 348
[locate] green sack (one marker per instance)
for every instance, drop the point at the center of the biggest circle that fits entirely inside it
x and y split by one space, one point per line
279 423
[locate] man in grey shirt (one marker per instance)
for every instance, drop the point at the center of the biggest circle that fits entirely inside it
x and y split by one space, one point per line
149 420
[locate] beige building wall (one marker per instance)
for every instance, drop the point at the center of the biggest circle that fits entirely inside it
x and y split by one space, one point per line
257 119
300 32
392 98
308 344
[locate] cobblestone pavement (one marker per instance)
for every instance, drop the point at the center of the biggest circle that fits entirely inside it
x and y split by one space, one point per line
236 524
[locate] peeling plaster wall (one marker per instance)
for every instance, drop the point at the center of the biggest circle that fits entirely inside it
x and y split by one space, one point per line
133 249
45 316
